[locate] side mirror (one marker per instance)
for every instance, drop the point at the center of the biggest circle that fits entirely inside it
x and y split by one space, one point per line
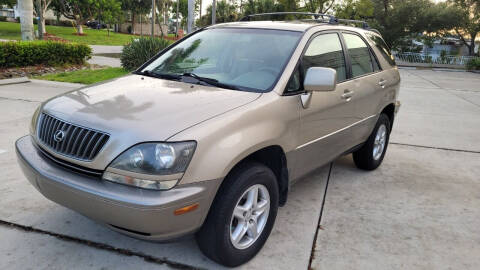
320 79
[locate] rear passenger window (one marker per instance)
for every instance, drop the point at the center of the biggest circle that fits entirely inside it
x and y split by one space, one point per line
382 47
325 51
359 55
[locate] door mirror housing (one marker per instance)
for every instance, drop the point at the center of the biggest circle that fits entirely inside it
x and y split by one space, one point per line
320 79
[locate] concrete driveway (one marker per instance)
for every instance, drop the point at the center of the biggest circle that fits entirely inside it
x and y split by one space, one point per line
419 210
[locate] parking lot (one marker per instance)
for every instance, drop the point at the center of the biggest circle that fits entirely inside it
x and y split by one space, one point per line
419 210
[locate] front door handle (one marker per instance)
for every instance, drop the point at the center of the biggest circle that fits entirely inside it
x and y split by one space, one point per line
347 95
382 83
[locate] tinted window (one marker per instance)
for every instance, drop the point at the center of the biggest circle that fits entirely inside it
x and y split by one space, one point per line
325 51
382 47
294 84
249 59
359 55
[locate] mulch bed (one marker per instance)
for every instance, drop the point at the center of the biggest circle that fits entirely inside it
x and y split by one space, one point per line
8 73
52 37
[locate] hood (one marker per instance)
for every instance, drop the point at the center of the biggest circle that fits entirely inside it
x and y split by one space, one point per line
135 108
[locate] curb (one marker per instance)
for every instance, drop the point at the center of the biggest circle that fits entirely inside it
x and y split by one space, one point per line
14 81
57 84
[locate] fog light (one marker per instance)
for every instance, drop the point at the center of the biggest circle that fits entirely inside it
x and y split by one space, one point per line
137 182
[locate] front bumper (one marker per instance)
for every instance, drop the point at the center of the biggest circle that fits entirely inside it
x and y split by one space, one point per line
398 104
145 214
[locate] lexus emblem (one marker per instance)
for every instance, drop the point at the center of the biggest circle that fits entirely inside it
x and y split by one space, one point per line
59 135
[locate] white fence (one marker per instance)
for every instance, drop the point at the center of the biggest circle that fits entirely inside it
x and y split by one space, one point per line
433 59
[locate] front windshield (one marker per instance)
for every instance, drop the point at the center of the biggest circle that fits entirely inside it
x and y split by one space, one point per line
248 59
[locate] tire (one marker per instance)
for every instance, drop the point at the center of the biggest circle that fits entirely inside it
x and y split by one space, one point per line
366 158
215 236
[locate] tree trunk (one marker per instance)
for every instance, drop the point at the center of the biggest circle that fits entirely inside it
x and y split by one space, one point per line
190 17
214 11
79 28
133 22
43 25
176 30
26 19
153 18
471 48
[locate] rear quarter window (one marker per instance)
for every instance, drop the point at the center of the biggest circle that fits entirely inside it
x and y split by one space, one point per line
382 47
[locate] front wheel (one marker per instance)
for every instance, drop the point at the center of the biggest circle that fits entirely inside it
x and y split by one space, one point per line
371 155
241 217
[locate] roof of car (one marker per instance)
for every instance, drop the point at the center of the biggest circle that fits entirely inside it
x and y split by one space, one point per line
300 26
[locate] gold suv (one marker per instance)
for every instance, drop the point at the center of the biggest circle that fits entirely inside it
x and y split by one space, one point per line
208 136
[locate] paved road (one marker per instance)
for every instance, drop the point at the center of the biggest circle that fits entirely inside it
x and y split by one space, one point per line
100 55
419 210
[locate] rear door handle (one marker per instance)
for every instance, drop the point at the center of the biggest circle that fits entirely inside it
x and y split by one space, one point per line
382 83
347 94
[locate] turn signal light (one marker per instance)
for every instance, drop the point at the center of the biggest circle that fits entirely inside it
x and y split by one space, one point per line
186 209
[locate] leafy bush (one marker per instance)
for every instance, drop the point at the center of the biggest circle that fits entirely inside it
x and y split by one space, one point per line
141 50
58 23
3 19
474 64
52 53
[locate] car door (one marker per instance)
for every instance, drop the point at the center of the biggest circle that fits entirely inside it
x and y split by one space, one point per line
326 116
367 82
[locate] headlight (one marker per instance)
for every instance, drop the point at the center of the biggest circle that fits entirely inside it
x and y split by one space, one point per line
151 165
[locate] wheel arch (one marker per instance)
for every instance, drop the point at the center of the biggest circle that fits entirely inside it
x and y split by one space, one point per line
389 110
274 157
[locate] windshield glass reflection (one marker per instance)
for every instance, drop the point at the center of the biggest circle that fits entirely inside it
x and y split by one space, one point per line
249 59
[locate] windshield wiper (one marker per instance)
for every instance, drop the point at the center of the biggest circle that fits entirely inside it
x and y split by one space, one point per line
210 81
166 76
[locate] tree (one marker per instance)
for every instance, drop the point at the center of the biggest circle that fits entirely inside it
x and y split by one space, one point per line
355 10
261 6
108 11
45 6
320 6
136 7
225 12
183 10
78 10
9 3
399 21
26 19
468 21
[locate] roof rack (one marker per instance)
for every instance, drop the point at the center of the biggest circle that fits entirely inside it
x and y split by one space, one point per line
317 16
345 21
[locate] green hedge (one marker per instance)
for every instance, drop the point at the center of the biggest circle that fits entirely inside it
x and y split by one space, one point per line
474 64
51 53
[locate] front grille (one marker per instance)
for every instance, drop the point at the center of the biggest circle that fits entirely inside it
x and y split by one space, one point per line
73 167
70 140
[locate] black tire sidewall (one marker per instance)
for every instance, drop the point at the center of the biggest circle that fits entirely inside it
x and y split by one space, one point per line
364 156
221 213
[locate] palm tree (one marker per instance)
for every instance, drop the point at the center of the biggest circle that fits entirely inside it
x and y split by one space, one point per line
26 18
214 11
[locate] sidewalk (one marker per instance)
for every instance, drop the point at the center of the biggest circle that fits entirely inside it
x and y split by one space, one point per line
100 55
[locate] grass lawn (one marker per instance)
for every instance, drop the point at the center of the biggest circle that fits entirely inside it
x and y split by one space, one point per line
9 30
88 76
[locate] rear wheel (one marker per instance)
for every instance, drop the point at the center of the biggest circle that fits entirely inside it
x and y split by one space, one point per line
241 217
371 155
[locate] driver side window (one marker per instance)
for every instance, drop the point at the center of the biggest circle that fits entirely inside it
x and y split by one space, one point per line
324 50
